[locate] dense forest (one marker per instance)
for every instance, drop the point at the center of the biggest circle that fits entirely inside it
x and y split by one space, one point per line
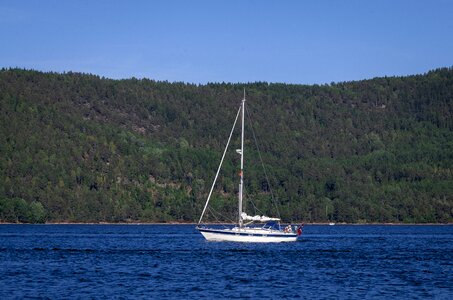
81 148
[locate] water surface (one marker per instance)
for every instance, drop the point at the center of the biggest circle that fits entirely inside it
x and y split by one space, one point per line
174 261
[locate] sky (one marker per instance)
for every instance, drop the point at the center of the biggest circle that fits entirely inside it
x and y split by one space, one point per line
301 42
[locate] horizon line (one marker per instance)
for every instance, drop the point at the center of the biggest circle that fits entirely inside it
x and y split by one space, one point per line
9 68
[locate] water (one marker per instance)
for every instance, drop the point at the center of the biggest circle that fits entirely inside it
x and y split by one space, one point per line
174 261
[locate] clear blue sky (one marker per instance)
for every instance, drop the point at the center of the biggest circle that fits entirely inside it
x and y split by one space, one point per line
229 40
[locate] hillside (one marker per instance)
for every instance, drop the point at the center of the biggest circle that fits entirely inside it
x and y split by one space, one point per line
81 148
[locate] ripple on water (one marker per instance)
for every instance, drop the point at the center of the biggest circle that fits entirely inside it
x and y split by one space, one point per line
354 262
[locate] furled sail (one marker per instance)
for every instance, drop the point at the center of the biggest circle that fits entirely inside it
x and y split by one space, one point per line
257 218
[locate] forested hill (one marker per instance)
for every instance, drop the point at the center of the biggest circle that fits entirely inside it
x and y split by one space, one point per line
81 148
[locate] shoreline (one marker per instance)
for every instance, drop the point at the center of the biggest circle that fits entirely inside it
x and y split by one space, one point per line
194 224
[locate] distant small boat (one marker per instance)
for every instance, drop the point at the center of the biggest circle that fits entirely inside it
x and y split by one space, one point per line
331 223
270 232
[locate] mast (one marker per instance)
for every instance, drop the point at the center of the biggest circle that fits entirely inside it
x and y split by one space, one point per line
241 174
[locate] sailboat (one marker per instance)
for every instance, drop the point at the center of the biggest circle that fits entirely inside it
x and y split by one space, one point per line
248 228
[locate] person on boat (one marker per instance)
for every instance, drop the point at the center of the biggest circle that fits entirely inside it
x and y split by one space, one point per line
288 229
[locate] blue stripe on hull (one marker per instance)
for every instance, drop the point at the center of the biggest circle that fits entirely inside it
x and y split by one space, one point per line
246 234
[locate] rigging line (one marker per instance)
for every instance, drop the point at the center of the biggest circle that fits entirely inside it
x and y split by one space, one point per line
214 215
262 164
220 165
253 203
219 214
214 212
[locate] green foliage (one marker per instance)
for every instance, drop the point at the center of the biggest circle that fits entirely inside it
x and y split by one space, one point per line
76 147
17 210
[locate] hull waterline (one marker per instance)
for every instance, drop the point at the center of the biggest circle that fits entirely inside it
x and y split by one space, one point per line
247 236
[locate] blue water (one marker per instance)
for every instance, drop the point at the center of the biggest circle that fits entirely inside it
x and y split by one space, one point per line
174 261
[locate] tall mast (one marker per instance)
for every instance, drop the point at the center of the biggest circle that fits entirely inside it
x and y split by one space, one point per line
242 163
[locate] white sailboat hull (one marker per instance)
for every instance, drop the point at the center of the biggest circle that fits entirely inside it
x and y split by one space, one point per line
248 235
